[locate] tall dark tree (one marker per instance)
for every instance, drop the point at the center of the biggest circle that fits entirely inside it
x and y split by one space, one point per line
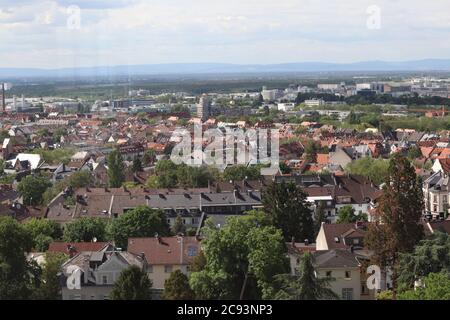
319 217
177 287
286 206
304 285
397 228
137 165
429 256
15 276
132 284
50 287
116 169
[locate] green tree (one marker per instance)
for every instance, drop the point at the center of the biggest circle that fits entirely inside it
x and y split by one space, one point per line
193 177
347 214
240 172
177 287
286 206
414 153
80 179
132 284
397 228
116 169
15 277
32 189
43 232
167 174
149 157
304 285
311 150
137 165
178 226
436 286
319 217
285 169
50 287
140 222
429 256
85 229
241 259
374 169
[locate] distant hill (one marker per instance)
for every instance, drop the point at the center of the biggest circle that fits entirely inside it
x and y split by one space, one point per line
221 68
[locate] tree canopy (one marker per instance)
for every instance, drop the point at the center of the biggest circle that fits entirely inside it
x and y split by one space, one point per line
397 228
132 284
241 259
85 229
140 222
287 209
304 285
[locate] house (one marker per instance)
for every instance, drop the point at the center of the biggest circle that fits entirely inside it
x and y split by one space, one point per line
436 193
341 236
33 160
165 255
190 204
441 165
90 275
345 269
340 156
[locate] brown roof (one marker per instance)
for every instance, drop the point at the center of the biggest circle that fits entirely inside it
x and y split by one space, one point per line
442 226
165 250
445 164
340 231
76 247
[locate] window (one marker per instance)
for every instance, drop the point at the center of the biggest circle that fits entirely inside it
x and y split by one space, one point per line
348 275
167 269
150 269
444 199
435 198
105 279
347 294
192 251
329 273
356 241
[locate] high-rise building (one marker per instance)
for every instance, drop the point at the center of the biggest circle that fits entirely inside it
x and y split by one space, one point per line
204 108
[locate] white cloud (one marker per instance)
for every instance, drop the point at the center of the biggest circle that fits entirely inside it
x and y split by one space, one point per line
261 31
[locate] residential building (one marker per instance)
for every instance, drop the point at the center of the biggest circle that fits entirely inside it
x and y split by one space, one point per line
165 255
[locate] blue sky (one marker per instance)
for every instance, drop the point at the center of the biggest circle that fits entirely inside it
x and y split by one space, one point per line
35 33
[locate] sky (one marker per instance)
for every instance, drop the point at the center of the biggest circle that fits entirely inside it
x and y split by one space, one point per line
79 33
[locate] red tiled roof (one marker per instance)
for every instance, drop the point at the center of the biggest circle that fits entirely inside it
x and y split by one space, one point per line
165 250
322 158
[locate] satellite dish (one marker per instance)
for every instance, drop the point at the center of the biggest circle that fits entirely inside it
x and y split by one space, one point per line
94 239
